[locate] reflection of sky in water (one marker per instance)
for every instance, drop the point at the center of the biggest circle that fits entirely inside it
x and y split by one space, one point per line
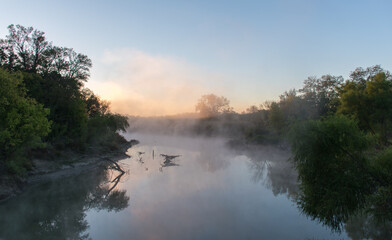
210 192
213 193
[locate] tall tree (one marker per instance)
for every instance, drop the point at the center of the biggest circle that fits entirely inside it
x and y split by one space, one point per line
322 93
367 96
27 49
95 105
211 105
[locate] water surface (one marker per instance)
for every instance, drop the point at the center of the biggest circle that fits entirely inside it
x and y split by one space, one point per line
208 192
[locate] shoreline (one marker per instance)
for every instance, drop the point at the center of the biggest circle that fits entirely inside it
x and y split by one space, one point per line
11 186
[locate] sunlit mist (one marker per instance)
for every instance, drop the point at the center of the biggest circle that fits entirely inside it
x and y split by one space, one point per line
138 83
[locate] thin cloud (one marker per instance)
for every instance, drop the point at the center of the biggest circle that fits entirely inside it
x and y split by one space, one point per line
138 83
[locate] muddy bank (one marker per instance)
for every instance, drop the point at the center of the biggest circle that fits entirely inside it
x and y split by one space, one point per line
42 169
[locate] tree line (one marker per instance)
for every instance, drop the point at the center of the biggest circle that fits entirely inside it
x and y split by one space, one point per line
344 154
45 106
339 131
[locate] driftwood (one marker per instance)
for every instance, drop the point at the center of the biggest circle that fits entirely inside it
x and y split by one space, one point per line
106 196
168 161
169 164
115 181
170 157
116 166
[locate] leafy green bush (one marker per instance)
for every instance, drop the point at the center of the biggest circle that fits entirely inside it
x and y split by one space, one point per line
23 122
334 173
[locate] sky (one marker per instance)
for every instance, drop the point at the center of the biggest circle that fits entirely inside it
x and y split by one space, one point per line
154 58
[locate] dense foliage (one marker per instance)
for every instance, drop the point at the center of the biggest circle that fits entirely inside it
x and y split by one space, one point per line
339 130
340 134
23 122
344 156
44 102
333 171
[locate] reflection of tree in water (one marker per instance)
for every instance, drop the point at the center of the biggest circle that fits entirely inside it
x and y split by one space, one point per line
274 170
105 196
212 158
363 226
56 209
279 174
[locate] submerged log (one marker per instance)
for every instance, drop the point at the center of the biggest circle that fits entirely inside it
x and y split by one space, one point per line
116 166
115 181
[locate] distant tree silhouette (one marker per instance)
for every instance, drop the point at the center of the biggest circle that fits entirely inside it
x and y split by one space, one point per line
211 105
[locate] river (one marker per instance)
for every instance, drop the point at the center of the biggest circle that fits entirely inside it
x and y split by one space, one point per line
204 191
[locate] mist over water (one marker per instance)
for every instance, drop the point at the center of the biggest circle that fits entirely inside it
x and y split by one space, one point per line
239 133
206 191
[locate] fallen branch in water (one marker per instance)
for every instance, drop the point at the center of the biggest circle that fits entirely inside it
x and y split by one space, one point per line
115 181
117 167
168 160
170 157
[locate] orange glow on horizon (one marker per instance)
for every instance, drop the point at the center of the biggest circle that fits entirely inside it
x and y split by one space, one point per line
140 84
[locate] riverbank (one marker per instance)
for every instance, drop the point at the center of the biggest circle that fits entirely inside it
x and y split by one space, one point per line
71 164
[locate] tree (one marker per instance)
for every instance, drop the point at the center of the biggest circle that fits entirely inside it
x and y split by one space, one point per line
95 105
322 93
53 76
288 110
294 107
46 90
367 96
361 76
23 122
343 160
275 117
26 49
211 105
335 176
252 109
66 103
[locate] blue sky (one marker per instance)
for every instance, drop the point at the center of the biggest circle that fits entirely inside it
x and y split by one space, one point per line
159 57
